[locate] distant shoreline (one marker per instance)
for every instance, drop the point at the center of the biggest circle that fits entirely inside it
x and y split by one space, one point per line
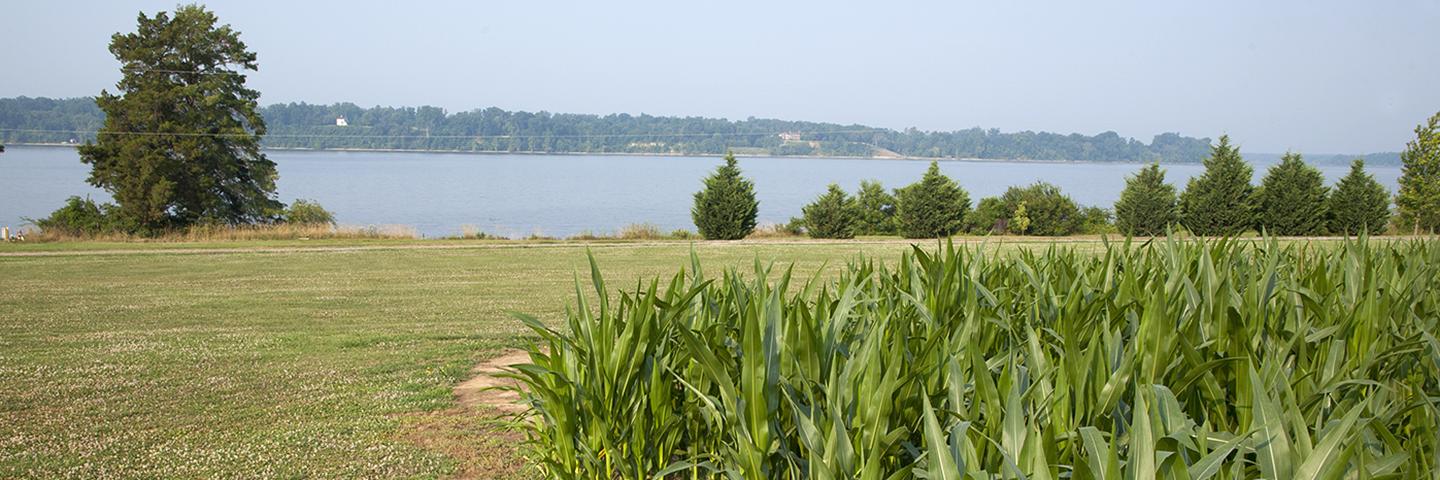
646 154
1324 158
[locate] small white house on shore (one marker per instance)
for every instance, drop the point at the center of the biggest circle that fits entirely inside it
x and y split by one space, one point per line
340 121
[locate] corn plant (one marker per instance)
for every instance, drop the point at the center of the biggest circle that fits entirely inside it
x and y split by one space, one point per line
1177 359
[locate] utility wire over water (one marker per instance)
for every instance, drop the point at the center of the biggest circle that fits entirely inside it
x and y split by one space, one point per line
421 137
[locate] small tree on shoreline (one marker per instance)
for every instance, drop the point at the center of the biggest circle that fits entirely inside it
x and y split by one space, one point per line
1292 199
1044 209
1221 200
308 212
1359 203
1418 200
989 216
933 207
875 209
1147 205
726 208
1020 222
832 215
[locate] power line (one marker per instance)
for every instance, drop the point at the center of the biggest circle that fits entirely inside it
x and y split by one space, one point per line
476 137
196 72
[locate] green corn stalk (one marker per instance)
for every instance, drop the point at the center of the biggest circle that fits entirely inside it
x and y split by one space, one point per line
1176 359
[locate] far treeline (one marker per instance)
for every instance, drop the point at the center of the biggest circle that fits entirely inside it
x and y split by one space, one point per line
300 125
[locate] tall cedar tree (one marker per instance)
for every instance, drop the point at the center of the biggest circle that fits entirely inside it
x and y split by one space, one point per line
933 207
1147 205
876 209
1291 199
1359 203
1220 201
832 215
1418 201
184 146
1049 212
726 208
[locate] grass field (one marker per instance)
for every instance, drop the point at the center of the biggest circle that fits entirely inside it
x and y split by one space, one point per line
264 360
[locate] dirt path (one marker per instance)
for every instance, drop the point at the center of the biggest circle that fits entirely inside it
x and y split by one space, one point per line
479 433
479 391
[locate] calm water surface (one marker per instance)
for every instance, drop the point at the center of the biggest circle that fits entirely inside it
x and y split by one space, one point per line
561 195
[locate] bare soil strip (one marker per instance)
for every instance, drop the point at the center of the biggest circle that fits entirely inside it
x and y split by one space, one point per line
478 433
481 390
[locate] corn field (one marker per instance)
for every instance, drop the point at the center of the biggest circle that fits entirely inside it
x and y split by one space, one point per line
1176 359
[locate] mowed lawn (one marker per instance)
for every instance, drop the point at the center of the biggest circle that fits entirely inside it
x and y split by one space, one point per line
255 363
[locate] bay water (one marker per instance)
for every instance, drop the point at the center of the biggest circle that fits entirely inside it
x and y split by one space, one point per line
439 194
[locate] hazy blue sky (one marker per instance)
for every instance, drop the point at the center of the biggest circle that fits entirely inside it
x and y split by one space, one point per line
1334 77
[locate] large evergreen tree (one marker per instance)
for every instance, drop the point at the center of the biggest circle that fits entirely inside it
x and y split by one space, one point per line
1359 203
1418 201
933 207
1221 200
876 209
1291 199
181 140
1147 205
726 208
832 215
